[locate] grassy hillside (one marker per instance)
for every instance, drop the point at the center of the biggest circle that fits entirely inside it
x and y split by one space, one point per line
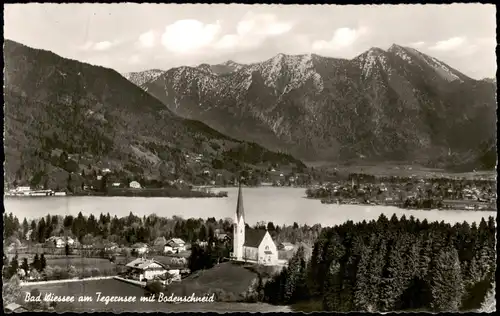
228 280
65 120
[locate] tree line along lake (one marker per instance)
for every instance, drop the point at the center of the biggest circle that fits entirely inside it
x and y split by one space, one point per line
269 204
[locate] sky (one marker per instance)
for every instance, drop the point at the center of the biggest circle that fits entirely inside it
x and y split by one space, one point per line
136 37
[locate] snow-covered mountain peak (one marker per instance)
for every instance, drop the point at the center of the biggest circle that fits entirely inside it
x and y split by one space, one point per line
141 77
442 70
232 63
401 52
297 68
369 59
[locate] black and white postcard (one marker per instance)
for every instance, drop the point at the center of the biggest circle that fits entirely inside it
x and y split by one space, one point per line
249 158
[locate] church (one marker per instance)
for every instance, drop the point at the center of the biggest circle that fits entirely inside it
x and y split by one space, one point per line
251 245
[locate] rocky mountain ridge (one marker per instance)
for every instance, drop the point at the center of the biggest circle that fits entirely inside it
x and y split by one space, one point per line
396 104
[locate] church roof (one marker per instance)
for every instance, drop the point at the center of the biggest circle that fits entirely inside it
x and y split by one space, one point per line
239 207
253 237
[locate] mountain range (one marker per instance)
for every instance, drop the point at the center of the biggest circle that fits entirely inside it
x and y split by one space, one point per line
63 116
383 105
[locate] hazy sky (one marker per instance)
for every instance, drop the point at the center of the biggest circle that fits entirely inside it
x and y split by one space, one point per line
133 37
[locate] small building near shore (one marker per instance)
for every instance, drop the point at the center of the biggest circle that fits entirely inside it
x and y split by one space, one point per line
110 246
135 185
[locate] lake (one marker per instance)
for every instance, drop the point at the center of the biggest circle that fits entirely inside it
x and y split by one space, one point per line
279 205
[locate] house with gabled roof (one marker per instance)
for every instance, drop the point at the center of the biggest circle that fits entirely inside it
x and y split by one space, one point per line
15 308
146 269
252 245
175 245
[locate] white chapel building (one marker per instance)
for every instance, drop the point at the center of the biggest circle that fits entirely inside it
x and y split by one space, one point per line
251 245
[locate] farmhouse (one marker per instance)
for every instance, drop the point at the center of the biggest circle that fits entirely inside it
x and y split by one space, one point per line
253 245
144 269
175 244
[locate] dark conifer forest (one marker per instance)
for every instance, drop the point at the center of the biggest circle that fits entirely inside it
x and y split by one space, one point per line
391 264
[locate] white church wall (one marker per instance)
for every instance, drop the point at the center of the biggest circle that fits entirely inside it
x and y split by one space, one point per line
251 253
267 244
239 238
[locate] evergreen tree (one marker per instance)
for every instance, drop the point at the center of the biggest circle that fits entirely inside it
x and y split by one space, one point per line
394 280
362 295
295 272
14 265
36 263
333 288
446 283
25 228
377 264
41 230
43 263
34 232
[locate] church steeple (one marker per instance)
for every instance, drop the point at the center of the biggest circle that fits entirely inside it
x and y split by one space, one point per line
239 227
239 206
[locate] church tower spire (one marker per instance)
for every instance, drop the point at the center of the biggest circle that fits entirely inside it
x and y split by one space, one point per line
240 211
239 227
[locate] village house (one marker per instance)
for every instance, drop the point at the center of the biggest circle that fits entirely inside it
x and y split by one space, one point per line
253 245
23 189
175 245
202 243
60 242
140 247
221 235
135 185
145 269
14 308
111 246
287 246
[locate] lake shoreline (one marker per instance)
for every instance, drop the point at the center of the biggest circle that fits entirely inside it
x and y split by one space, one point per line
399 206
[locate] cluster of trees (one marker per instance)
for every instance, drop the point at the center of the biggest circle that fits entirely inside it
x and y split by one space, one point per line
34 268
420 203
206 257
89 230
388 265
126 230
254 154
